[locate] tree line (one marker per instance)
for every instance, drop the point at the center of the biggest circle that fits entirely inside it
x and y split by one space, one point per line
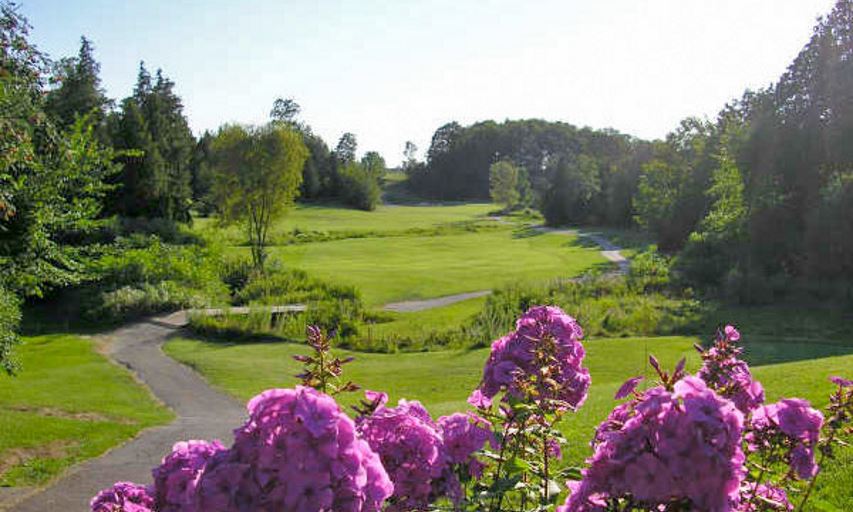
79 170
754 204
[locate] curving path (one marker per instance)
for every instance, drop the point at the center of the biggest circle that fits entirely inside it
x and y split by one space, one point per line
202 413
411 306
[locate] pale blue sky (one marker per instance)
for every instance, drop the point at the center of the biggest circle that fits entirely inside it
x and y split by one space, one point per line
391 71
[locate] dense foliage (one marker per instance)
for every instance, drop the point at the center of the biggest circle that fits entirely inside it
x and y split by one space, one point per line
547 154
9 318
688 442
757 198
158 145
140 276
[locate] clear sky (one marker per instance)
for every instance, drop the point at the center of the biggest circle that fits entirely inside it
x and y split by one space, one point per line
395 70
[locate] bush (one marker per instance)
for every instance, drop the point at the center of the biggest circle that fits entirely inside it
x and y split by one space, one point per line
606 306
278 287
138 300
144 275
360 187
10 317
650 271
336 308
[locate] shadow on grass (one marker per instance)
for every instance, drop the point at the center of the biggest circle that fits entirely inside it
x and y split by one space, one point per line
781 333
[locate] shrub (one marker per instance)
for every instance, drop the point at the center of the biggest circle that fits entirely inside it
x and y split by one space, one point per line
138 300
276 286
649 271
335 308
360 186
144 275
606 305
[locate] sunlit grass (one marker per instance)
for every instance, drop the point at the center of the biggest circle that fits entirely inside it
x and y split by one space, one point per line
68 404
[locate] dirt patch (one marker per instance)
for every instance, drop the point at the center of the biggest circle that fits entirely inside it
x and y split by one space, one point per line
16 456
52 412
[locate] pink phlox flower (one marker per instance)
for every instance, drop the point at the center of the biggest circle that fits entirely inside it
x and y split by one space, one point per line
123 497
628 387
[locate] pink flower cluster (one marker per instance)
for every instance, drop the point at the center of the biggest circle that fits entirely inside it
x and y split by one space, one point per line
176 479
419 453
763 494
465 434
297 451
798 423
541 359
123 497
663 447
728 375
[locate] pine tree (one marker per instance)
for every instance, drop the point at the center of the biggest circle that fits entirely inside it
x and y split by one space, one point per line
79 91
158 169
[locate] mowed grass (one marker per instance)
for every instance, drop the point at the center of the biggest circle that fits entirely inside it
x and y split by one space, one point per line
66 405
443 380
421 323
411 267
332 218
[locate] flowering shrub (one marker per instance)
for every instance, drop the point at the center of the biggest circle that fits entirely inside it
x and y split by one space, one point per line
706 442
123 497
540 361
412 450
689 442
176 479
666 447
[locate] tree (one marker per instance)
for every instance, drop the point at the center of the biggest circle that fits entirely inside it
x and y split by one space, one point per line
359 187
285 111
201 174
715 248
51 181
79 91
409 154
157 177
569 198
503 183
346 148
257 176
360 181
374 164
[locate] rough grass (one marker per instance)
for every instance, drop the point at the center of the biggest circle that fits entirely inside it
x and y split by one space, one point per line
443 380
417 324
68 404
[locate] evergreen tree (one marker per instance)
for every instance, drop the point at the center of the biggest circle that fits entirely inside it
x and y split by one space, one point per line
78 91
158 169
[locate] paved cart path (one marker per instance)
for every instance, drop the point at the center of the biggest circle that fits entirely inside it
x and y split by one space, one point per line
201 413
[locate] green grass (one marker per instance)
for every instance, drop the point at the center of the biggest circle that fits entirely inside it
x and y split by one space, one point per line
420 323
68 404
404 268
443 380
332 218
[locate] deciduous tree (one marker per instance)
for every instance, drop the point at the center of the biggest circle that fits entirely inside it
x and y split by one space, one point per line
257 176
